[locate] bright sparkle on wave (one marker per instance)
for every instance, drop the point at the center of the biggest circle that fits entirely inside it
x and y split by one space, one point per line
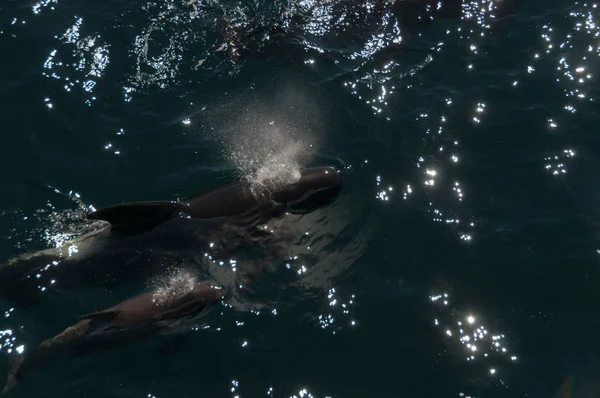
481 345
557 164
91 59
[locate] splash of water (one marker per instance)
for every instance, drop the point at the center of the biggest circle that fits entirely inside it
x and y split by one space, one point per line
173 286
269 160
55 224
69 223
269 140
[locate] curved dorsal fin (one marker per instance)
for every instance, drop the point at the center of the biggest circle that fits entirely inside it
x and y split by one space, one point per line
136 214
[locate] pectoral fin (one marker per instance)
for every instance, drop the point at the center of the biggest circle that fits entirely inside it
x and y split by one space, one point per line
135 215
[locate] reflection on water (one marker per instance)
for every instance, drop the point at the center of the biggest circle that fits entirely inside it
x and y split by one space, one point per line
271 392
175 37
573 52
8 341
89 58
40 5
484 347
169 37
340 316
376 81
556 164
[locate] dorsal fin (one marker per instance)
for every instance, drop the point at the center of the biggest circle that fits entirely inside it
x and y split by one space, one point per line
135 215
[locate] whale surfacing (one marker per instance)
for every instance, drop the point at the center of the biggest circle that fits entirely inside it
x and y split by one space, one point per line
315 187
140 317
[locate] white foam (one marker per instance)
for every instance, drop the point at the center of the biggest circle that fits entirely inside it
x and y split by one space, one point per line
173 286
268 154
269 162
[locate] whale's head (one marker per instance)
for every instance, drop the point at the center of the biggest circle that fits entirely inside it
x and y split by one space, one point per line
197 301
208 292
316 187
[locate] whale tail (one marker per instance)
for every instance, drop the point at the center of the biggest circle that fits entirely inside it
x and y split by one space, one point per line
136 216
13 373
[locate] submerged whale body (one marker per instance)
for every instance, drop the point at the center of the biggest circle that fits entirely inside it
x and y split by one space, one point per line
358 20
140 317
227 215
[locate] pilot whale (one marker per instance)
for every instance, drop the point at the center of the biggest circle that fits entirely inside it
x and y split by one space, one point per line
285 36
226 215
315 187
140 317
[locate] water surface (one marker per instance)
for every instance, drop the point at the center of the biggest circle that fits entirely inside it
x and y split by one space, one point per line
460 259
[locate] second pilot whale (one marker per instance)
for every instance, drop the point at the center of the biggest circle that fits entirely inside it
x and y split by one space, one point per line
140 317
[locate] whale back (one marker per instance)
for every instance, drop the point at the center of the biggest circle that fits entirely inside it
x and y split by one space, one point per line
226 201
147 308
316 187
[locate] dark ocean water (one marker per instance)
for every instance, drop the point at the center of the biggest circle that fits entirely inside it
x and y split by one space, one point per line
461 258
